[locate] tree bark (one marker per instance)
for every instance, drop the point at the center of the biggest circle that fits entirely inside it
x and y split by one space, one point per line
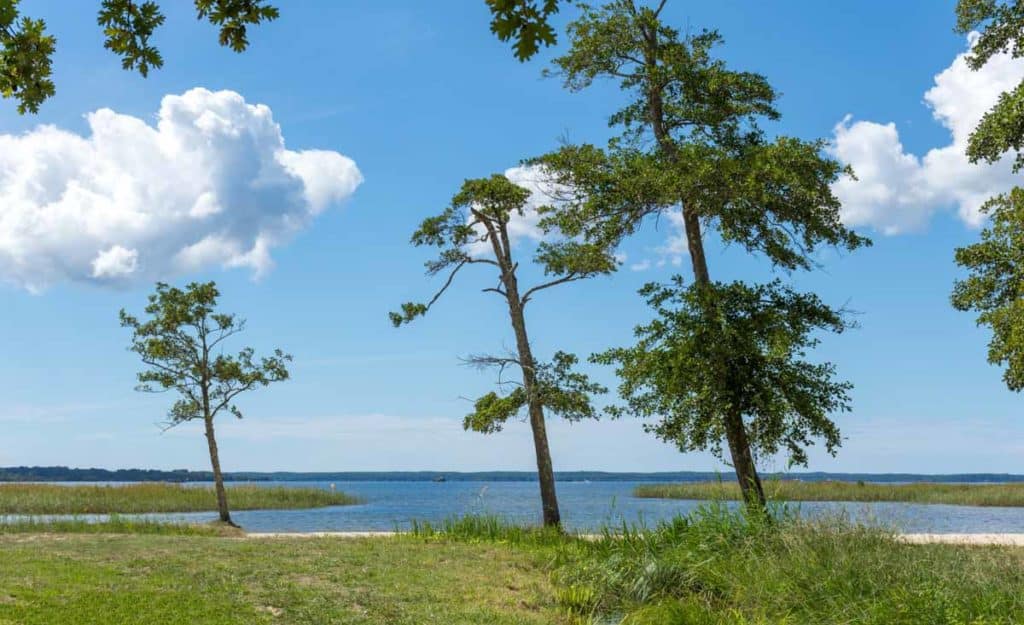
218 477
545 470
735 431
498 233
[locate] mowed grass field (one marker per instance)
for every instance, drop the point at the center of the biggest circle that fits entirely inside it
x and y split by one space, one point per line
1009 494
165 580
157 497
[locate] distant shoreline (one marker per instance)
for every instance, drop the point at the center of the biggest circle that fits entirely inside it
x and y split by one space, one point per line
66 474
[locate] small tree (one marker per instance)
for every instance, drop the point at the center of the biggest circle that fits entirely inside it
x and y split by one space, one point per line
691 142
479 216
182 343
747 359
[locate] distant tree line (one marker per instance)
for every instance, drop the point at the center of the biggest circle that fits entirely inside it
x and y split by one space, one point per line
65 474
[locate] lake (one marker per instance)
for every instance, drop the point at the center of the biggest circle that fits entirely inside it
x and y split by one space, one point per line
390 505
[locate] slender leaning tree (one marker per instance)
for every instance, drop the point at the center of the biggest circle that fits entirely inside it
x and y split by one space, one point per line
691 142
477 219
181 342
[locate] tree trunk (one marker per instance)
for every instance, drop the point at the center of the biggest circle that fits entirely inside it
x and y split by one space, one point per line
743 462
545 470
218 477
735 431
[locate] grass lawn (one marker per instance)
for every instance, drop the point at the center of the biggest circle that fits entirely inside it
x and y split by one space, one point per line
156 497
153 580
1010 494
713 568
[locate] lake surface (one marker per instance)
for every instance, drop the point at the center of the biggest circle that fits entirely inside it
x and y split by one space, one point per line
390 505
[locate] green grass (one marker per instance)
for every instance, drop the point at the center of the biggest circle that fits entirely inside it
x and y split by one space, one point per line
170 580
156 497
1010 494
719 568
714 567
114 525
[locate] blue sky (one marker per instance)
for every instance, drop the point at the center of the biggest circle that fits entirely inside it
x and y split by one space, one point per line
420 96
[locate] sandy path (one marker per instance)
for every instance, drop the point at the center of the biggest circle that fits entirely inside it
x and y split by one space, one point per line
1008 540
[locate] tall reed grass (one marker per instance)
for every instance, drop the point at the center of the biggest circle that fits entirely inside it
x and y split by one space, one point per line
145 497
1009 494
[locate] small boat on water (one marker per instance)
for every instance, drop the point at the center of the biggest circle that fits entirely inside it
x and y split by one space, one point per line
439 478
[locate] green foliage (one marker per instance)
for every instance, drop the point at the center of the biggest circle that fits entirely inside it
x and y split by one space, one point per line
1002 26
478 219
181 342
710 156
995 282
732 349
25 58
128 26
562 391
525 22
26 51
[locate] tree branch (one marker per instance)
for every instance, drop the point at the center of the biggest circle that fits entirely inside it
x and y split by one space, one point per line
547 285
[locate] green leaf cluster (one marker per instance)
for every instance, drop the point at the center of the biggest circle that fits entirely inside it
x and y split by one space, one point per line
561 390
524 22
26 50
1002 127
994 287
25 58
732 348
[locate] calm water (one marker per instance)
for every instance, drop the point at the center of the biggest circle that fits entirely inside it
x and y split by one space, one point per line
584 505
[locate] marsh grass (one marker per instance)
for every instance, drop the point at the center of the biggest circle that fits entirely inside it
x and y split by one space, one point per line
486 528
723 566
156 497
1009 494
113 525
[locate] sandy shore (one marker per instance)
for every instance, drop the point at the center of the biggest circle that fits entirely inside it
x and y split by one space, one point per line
1008 540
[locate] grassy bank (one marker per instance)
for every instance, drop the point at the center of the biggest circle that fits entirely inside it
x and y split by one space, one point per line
114 525
713 568
156 497
1011 494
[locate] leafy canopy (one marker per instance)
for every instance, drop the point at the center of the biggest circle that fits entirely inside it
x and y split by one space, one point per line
690 138
181 341
1002 128
474 229
26 50
732 348
995 283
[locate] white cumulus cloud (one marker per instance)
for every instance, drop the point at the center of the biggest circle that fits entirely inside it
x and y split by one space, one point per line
210 184
896 191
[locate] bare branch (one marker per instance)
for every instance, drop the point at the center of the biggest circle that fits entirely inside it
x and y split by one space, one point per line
547 285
